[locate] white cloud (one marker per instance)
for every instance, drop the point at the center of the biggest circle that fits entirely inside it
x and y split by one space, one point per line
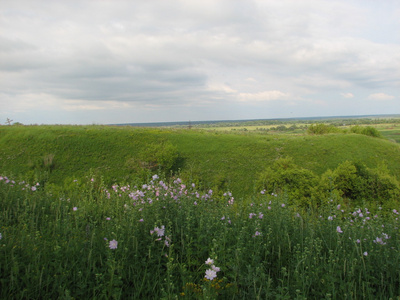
347 95
381 96
263 96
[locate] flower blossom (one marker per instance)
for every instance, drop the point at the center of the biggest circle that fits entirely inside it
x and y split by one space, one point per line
210 274
113 244
209 261
160 231
338 229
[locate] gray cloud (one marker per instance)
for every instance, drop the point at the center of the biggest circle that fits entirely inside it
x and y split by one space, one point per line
189 54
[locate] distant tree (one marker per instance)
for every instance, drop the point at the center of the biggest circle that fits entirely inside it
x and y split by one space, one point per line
9 121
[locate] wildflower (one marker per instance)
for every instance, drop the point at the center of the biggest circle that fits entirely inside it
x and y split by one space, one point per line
75 208
33 188
223 218
113 244
108 219
257 233
378 240
358 241
251 215
209 261
141 220
160 231
1 236
195 203
155 177
365 253
283 205
210 274
330 218
338 229
263 192
260 215
269 207
216 269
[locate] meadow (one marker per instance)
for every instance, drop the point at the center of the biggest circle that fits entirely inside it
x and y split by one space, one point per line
98 212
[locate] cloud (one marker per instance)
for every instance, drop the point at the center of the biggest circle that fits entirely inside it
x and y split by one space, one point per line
263 96
181 54
347 95
381 96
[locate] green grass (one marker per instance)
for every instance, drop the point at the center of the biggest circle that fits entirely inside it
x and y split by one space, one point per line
58 154
58 247
83 189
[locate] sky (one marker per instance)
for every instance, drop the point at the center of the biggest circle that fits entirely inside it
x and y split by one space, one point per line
135 61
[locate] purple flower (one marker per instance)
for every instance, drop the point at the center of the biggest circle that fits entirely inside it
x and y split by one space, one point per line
216 269
108 219
210 274
33 188
365 253
209 261
257 233
75 208
141 220
160 231
338 229
113 244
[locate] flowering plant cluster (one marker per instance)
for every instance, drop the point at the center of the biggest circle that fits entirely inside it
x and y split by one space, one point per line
211 273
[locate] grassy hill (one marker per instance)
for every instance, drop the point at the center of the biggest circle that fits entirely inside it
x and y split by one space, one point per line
218 160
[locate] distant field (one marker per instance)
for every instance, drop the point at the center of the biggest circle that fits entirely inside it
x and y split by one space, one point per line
390 131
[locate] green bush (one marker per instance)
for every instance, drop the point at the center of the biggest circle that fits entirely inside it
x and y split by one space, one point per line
356 183
368 130
321 128
296 183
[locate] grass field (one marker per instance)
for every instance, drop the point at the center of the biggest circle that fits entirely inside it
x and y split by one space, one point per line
107 212
55 154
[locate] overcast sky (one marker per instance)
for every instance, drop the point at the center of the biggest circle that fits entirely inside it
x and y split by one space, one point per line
101 62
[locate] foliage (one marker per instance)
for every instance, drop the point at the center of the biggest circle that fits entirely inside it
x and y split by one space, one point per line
321 128
161 240
356 182
285 177
367 130
353 182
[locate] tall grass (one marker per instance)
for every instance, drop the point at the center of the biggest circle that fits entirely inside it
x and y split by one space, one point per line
161 240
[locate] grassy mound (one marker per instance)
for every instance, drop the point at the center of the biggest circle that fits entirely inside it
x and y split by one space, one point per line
60 154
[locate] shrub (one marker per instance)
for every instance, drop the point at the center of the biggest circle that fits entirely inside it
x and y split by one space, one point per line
296 183
356 183
321 128
368 130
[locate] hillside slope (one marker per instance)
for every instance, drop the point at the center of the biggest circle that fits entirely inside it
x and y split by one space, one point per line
55 154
